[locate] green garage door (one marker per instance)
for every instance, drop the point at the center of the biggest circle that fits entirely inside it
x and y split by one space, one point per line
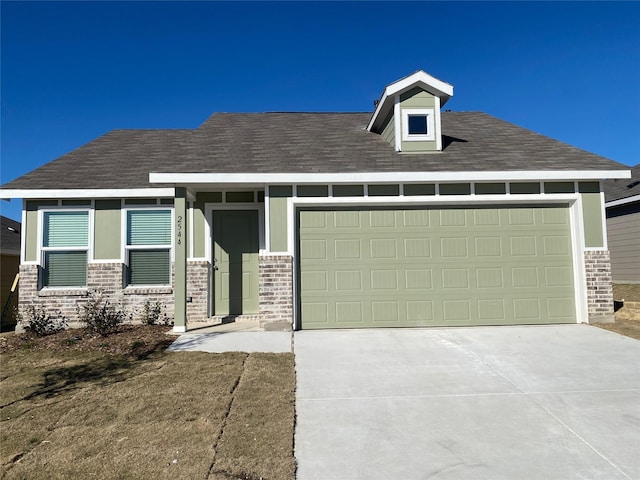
434 267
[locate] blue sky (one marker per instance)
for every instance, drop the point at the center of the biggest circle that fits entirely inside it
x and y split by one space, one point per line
72 71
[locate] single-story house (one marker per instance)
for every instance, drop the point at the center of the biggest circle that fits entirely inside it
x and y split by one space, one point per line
622 197
407 216
9 267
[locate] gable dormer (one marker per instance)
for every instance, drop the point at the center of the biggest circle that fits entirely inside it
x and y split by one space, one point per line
408 113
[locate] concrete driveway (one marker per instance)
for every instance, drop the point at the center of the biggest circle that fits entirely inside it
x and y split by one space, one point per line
536 402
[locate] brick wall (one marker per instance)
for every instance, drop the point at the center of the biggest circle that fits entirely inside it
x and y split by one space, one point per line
276 290
597 266
107 278
198 274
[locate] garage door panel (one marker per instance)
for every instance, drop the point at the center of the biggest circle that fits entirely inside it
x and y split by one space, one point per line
417 267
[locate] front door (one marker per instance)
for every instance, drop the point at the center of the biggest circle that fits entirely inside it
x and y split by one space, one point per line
235 260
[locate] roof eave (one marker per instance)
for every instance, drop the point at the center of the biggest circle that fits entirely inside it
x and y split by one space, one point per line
153 192
183 178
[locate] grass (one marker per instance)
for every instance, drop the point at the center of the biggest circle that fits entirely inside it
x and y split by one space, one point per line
626 323
83 414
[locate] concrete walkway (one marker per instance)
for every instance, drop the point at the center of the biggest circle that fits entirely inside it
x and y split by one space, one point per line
540 402
233 337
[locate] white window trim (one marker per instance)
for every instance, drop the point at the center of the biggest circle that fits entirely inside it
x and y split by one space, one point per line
126 248
431 124
41 250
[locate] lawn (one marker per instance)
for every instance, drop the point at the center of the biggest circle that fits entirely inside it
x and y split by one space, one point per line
626 323
70 411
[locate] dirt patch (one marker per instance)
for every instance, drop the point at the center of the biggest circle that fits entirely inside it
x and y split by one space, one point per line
137 340
623 326
627 291
73 405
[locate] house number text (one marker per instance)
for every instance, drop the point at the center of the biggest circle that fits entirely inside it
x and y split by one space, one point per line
179 229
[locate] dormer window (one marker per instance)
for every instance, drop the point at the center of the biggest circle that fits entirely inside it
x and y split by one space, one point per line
418 124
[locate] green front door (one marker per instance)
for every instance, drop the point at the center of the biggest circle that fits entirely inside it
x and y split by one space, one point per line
235 259
435 267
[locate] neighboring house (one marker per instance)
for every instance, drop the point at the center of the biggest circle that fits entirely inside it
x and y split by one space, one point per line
404 217
9 267
622 197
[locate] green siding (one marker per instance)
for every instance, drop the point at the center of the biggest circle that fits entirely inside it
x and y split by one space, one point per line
430 267
30 230
199 221
198 230
417 98
278 224
278 195
389 130
592 219
107 239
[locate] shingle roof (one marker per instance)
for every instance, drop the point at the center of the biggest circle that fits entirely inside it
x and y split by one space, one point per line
301 143
617 189
9 236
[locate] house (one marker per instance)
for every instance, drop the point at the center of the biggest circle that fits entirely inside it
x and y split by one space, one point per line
407 216
9 267
622 197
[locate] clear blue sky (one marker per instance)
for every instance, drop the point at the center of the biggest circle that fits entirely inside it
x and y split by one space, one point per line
73 71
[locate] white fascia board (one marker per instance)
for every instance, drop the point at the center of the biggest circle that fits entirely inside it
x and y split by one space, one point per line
88 193
437 87
622 201
379 177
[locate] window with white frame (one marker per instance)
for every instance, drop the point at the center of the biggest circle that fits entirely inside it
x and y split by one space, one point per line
65 247
418 124
148 247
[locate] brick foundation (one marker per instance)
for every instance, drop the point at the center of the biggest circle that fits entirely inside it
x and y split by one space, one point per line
597 265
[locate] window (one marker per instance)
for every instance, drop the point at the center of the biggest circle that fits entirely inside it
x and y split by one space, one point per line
65 243
418 124
148 247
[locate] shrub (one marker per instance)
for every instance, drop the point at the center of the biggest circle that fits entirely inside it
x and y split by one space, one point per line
152 314
39 322
99 315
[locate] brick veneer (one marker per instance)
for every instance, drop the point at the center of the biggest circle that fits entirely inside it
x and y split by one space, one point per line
276 289
275 292
107 278
597 265
198 274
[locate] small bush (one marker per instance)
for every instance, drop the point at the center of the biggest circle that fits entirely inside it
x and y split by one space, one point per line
39 322
153 314
100 316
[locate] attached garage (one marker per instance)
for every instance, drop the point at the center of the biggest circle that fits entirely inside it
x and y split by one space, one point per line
403 267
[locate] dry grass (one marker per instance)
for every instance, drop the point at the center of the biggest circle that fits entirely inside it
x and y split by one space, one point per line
627 327
627 291
79 414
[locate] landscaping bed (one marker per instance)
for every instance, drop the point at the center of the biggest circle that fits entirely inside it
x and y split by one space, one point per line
76 405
